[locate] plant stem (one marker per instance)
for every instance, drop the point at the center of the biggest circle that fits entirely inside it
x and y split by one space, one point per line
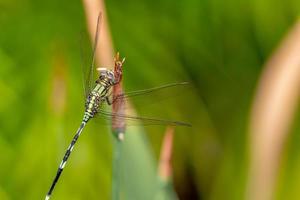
116 177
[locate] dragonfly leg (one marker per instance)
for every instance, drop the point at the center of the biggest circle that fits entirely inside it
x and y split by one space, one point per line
108 100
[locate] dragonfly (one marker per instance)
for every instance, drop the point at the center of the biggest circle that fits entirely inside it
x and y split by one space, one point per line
101 94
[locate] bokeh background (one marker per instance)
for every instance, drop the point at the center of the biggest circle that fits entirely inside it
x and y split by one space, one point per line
220 47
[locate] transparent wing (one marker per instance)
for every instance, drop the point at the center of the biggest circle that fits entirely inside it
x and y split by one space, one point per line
151 97
144 99
88 69
137 120
177 86
91 72
155 100
84 64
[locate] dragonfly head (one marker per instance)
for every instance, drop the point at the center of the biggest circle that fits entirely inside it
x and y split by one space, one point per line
106 76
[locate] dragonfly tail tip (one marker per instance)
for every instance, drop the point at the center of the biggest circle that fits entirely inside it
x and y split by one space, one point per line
47 197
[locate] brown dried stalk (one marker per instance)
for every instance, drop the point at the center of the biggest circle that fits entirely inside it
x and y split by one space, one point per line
104 57
272 114
105 50
165 167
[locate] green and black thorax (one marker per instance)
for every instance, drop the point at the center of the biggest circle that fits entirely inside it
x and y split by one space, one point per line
99 94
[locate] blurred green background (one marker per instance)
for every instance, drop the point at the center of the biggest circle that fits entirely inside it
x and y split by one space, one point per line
218 46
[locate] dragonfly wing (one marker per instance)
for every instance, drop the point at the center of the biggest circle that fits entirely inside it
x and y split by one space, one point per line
96 39
156 93
88 69
147 98
137 120
84 66
150 90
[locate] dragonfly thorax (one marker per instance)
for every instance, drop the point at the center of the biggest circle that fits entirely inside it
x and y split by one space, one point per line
100 92
95 98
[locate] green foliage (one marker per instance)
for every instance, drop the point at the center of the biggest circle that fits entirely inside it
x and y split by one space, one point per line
219 46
